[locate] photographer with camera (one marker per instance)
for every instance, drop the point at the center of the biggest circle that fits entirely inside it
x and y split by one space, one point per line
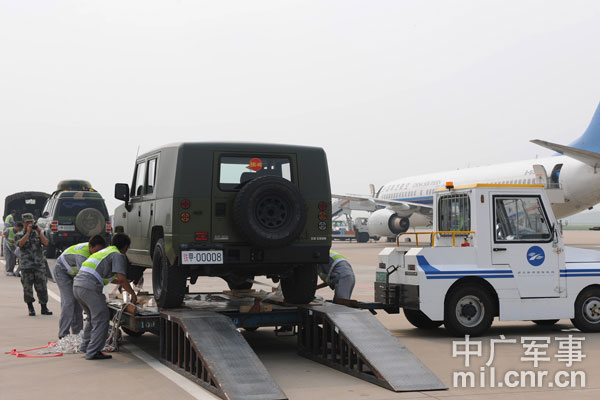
31 264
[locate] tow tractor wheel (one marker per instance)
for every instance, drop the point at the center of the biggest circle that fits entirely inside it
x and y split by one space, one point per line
469 310
419 320
587 310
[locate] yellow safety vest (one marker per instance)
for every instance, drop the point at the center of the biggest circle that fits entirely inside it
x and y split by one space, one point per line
92 262
12 236
337 258
82 249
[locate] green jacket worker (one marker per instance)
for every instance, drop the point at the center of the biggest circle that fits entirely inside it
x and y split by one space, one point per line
101 268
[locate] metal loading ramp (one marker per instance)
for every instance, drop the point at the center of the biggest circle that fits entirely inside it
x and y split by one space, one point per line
355 342
207 348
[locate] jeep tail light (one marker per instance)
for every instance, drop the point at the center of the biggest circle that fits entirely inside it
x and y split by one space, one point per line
322 205
108 227
54 226
322 216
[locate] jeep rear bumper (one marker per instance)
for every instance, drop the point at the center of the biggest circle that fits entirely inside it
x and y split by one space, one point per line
249 256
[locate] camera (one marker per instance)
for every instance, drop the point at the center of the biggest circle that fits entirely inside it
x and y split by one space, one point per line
34 227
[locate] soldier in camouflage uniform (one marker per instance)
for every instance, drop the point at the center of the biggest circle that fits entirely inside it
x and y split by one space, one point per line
31 264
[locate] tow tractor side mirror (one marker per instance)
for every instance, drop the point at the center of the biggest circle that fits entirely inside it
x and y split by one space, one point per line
122 193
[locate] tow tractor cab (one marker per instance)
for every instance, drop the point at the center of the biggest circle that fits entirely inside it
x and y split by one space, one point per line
495 250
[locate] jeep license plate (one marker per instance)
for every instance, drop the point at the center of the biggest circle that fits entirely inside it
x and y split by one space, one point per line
68 228
202 257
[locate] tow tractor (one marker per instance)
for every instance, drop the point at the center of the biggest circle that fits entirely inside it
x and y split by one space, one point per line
495 251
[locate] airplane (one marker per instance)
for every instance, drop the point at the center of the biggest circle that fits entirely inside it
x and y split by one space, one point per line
572 186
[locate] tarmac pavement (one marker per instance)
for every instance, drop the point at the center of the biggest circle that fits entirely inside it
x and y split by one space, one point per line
128 376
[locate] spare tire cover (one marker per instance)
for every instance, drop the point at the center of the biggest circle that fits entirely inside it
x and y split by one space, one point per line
90 222
269 211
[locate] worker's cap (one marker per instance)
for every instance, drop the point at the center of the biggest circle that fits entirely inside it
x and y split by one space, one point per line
28 217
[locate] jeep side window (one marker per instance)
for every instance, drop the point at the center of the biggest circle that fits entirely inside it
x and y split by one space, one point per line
151 176
137 186
520 219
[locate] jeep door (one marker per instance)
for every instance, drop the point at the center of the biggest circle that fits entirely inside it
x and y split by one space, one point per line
147 206
134 217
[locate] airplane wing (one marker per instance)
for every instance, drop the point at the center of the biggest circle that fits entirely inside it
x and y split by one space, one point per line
368 203
587 157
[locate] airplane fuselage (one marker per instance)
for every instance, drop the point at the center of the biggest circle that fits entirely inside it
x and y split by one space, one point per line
579 181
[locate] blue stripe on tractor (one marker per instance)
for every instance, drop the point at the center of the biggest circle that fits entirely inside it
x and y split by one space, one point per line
433 273
462 276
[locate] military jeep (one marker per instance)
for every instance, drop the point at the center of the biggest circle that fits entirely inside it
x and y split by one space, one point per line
230 210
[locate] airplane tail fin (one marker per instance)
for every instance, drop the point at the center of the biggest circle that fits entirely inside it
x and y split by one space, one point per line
590 140
590 158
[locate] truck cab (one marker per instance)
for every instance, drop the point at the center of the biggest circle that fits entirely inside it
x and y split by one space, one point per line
495 250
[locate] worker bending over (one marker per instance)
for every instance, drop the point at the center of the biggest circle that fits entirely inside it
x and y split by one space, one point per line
67 267
338 275
103 267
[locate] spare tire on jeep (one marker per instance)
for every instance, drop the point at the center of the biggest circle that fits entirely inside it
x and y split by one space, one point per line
269 211
90 222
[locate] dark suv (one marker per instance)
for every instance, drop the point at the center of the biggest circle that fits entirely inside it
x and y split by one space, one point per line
73 216
232 210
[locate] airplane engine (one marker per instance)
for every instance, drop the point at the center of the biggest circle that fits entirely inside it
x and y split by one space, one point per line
386 222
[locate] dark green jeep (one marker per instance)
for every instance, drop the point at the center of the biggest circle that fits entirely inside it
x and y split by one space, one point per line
73 213
232 210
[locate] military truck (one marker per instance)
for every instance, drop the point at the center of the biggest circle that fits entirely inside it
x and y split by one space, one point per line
25 202
230 210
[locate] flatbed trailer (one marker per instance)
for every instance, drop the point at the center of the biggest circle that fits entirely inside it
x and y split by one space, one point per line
202 341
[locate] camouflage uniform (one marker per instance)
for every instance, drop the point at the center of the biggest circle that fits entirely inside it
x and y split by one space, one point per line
32 268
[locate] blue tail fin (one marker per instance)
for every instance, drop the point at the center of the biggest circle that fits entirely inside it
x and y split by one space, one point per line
590 140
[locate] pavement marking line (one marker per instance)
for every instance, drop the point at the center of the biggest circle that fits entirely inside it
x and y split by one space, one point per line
53 295
185 384
190 387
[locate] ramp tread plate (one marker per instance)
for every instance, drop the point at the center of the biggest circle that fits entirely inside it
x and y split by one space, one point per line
235 367
385 353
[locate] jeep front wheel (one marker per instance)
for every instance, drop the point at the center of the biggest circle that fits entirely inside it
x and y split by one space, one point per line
301 285
168 281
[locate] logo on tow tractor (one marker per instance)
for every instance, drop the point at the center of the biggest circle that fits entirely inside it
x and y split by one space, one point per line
536 256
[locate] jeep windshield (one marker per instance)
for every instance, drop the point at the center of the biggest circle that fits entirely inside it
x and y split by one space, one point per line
72 207
235 171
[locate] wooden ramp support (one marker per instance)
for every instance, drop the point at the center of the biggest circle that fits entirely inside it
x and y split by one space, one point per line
355 342
207 348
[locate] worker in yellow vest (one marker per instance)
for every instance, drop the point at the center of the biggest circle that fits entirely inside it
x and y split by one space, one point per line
9 221
101 268
67 267
10 247
338 275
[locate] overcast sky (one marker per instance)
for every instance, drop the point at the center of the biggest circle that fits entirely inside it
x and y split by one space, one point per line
389 88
